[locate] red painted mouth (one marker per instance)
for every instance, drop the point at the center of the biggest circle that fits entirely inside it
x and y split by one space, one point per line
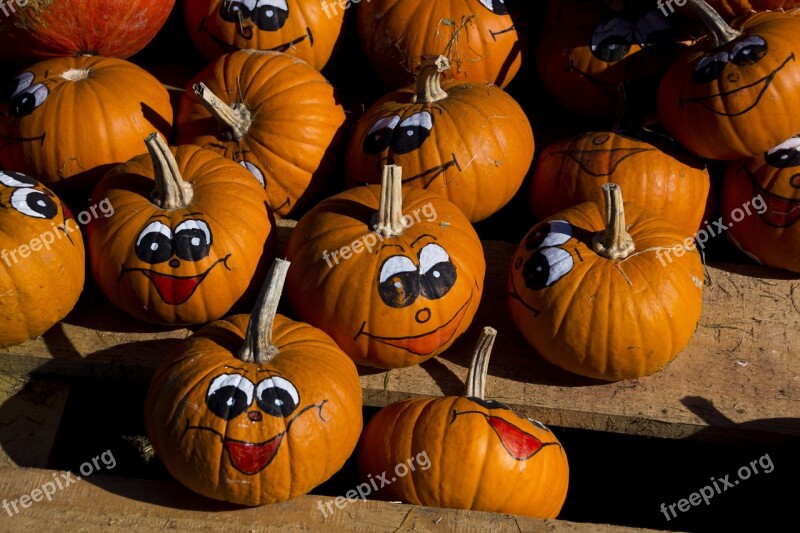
519 444
250 458
175 290
781 212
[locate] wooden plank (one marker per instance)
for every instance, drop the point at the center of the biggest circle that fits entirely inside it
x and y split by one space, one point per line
104 501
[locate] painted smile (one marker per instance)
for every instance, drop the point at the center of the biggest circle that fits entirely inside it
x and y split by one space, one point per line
519 444
8 141
781 212
600 163
432 173
608 89
229 48
175 290
736 102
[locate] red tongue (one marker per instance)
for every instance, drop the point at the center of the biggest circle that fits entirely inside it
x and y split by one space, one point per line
781 212
252 458
173 290
519 444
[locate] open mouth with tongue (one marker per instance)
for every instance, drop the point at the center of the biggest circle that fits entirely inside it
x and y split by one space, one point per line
250 458
520 444
175 290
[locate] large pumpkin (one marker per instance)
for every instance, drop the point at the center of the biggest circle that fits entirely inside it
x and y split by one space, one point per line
601 302
479 37
470 452
655 173
733 94
273 114
761 205
189 239
393 274
40 29
307 29
42 259
255 409
472 144
72 119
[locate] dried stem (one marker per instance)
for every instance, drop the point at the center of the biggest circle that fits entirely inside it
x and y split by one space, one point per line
234 120
479 367
258 346
721 31
614 242
171 191
390 212
429 84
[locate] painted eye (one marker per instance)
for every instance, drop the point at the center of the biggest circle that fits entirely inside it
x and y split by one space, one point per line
379 136
654 29
748 51
16 179
539 425
16 85
488 404
271 15
192 240
232 10
229 395
437 272
154 244
545 267
412 132
255 171
25 101
498 7
277 396
33 203
550 233
398 283
710 67
612 41
785 155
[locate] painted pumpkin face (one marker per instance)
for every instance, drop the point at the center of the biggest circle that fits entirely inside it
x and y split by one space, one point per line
307 29
761 205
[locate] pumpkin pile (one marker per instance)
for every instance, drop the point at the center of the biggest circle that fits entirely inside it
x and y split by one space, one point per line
395 134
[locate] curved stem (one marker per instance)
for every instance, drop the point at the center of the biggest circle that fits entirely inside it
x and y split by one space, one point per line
614 242
429 84
390 212
258 346
479 367
722 32
170 191
234 120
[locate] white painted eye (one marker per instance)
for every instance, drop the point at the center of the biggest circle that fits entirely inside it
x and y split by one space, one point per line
422 120
396 265
386 123
280 4
790 144
229 395
33 203
16 179
498 7
550 233
611 41
197 225
154 227
546 266
20 83
277 396
255 171
430 256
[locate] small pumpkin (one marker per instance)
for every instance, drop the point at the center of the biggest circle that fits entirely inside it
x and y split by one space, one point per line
480 455
480 37
471 144
273 114
255 409
655 173
70 120
728 97
190 232
42 259
306 29
612 296
761 205
393 274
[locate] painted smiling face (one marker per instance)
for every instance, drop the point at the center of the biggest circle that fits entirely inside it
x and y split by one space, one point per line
761 205
307 29
727 98
42 259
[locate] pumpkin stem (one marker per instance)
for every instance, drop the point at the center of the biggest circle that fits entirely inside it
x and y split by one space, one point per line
390 212
429 84
721 31
171 191
479 367
615 242
258 346
234 120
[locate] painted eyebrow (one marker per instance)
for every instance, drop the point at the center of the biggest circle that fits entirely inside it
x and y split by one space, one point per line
234 368
390 245
422 236
158 216
271 371
191 214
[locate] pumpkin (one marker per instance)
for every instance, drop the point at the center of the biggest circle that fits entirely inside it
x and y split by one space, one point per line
41 29
190 231
255 409
655 173
275 115
761 205
479 454
70 120
393 288
479 37
472 144
307 29
612 296
731 96
42 259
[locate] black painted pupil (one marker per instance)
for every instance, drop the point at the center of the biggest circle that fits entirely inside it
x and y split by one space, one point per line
409 138
22 178
749 55
536 271
499 7
191 244
154 248
488 404
709 72
40 203
400 290
535 241
612 48
227 402
276 402
270 18
23 104
788 157
378 141
438 281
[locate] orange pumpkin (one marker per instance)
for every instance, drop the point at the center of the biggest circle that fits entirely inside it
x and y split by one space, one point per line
655 173
393 288
255 409
472 144
72 119
307 29
470 453
190 232
42 266
601 302
479 37
275 115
